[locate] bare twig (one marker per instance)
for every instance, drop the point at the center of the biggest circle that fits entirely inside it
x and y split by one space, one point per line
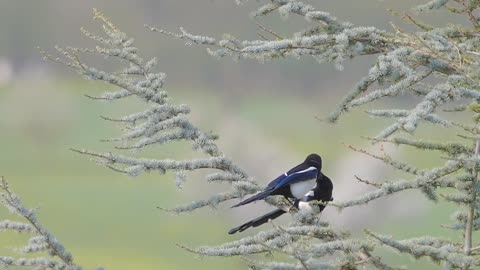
368 182
269 30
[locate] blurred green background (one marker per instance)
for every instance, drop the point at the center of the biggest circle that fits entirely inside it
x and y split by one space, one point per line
264 114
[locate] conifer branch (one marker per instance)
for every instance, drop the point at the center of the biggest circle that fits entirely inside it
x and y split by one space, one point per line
432 178
161 123
435 249
453 149
42 240
389 161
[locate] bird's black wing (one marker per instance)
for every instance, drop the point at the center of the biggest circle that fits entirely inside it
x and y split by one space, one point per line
265 193
299 176
281 182
260 196
258 221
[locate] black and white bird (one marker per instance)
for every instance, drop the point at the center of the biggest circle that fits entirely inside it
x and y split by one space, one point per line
303 183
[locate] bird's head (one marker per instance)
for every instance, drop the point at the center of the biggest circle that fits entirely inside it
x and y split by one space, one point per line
314 160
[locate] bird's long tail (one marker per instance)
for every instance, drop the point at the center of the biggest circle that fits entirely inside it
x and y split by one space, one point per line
258 221
259 196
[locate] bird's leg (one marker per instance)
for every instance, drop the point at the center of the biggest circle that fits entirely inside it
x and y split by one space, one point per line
292 203
285 204
292 208
286 200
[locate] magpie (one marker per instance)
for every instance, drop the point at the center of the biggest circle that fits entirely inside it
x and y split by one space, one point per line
322 191
303 183
293 184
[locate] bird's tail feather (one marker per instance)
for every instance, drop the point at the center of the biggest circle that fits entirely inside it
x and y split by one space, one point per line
258 221
259 196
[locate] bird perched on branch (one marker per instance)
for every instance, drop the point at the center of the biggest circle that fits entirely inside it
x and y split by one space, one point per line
303 183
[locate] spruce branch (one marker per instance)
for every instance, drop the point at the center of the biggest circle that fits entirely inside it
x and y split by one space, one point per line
43 239
405 59
390 161
452 149
162 122
430 118
432 178
436 249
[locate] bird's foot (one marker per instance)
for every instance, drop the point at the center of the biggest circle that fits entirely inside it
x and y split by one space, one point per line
292 210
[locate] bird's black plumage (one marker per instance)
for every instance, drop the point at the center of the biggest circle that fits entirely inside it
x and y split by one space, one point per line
321 192
258 221
286 184
291 185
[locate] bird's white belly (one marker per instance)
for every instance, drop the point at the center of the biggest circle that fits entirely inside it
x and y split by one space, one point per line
299 189
306 206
